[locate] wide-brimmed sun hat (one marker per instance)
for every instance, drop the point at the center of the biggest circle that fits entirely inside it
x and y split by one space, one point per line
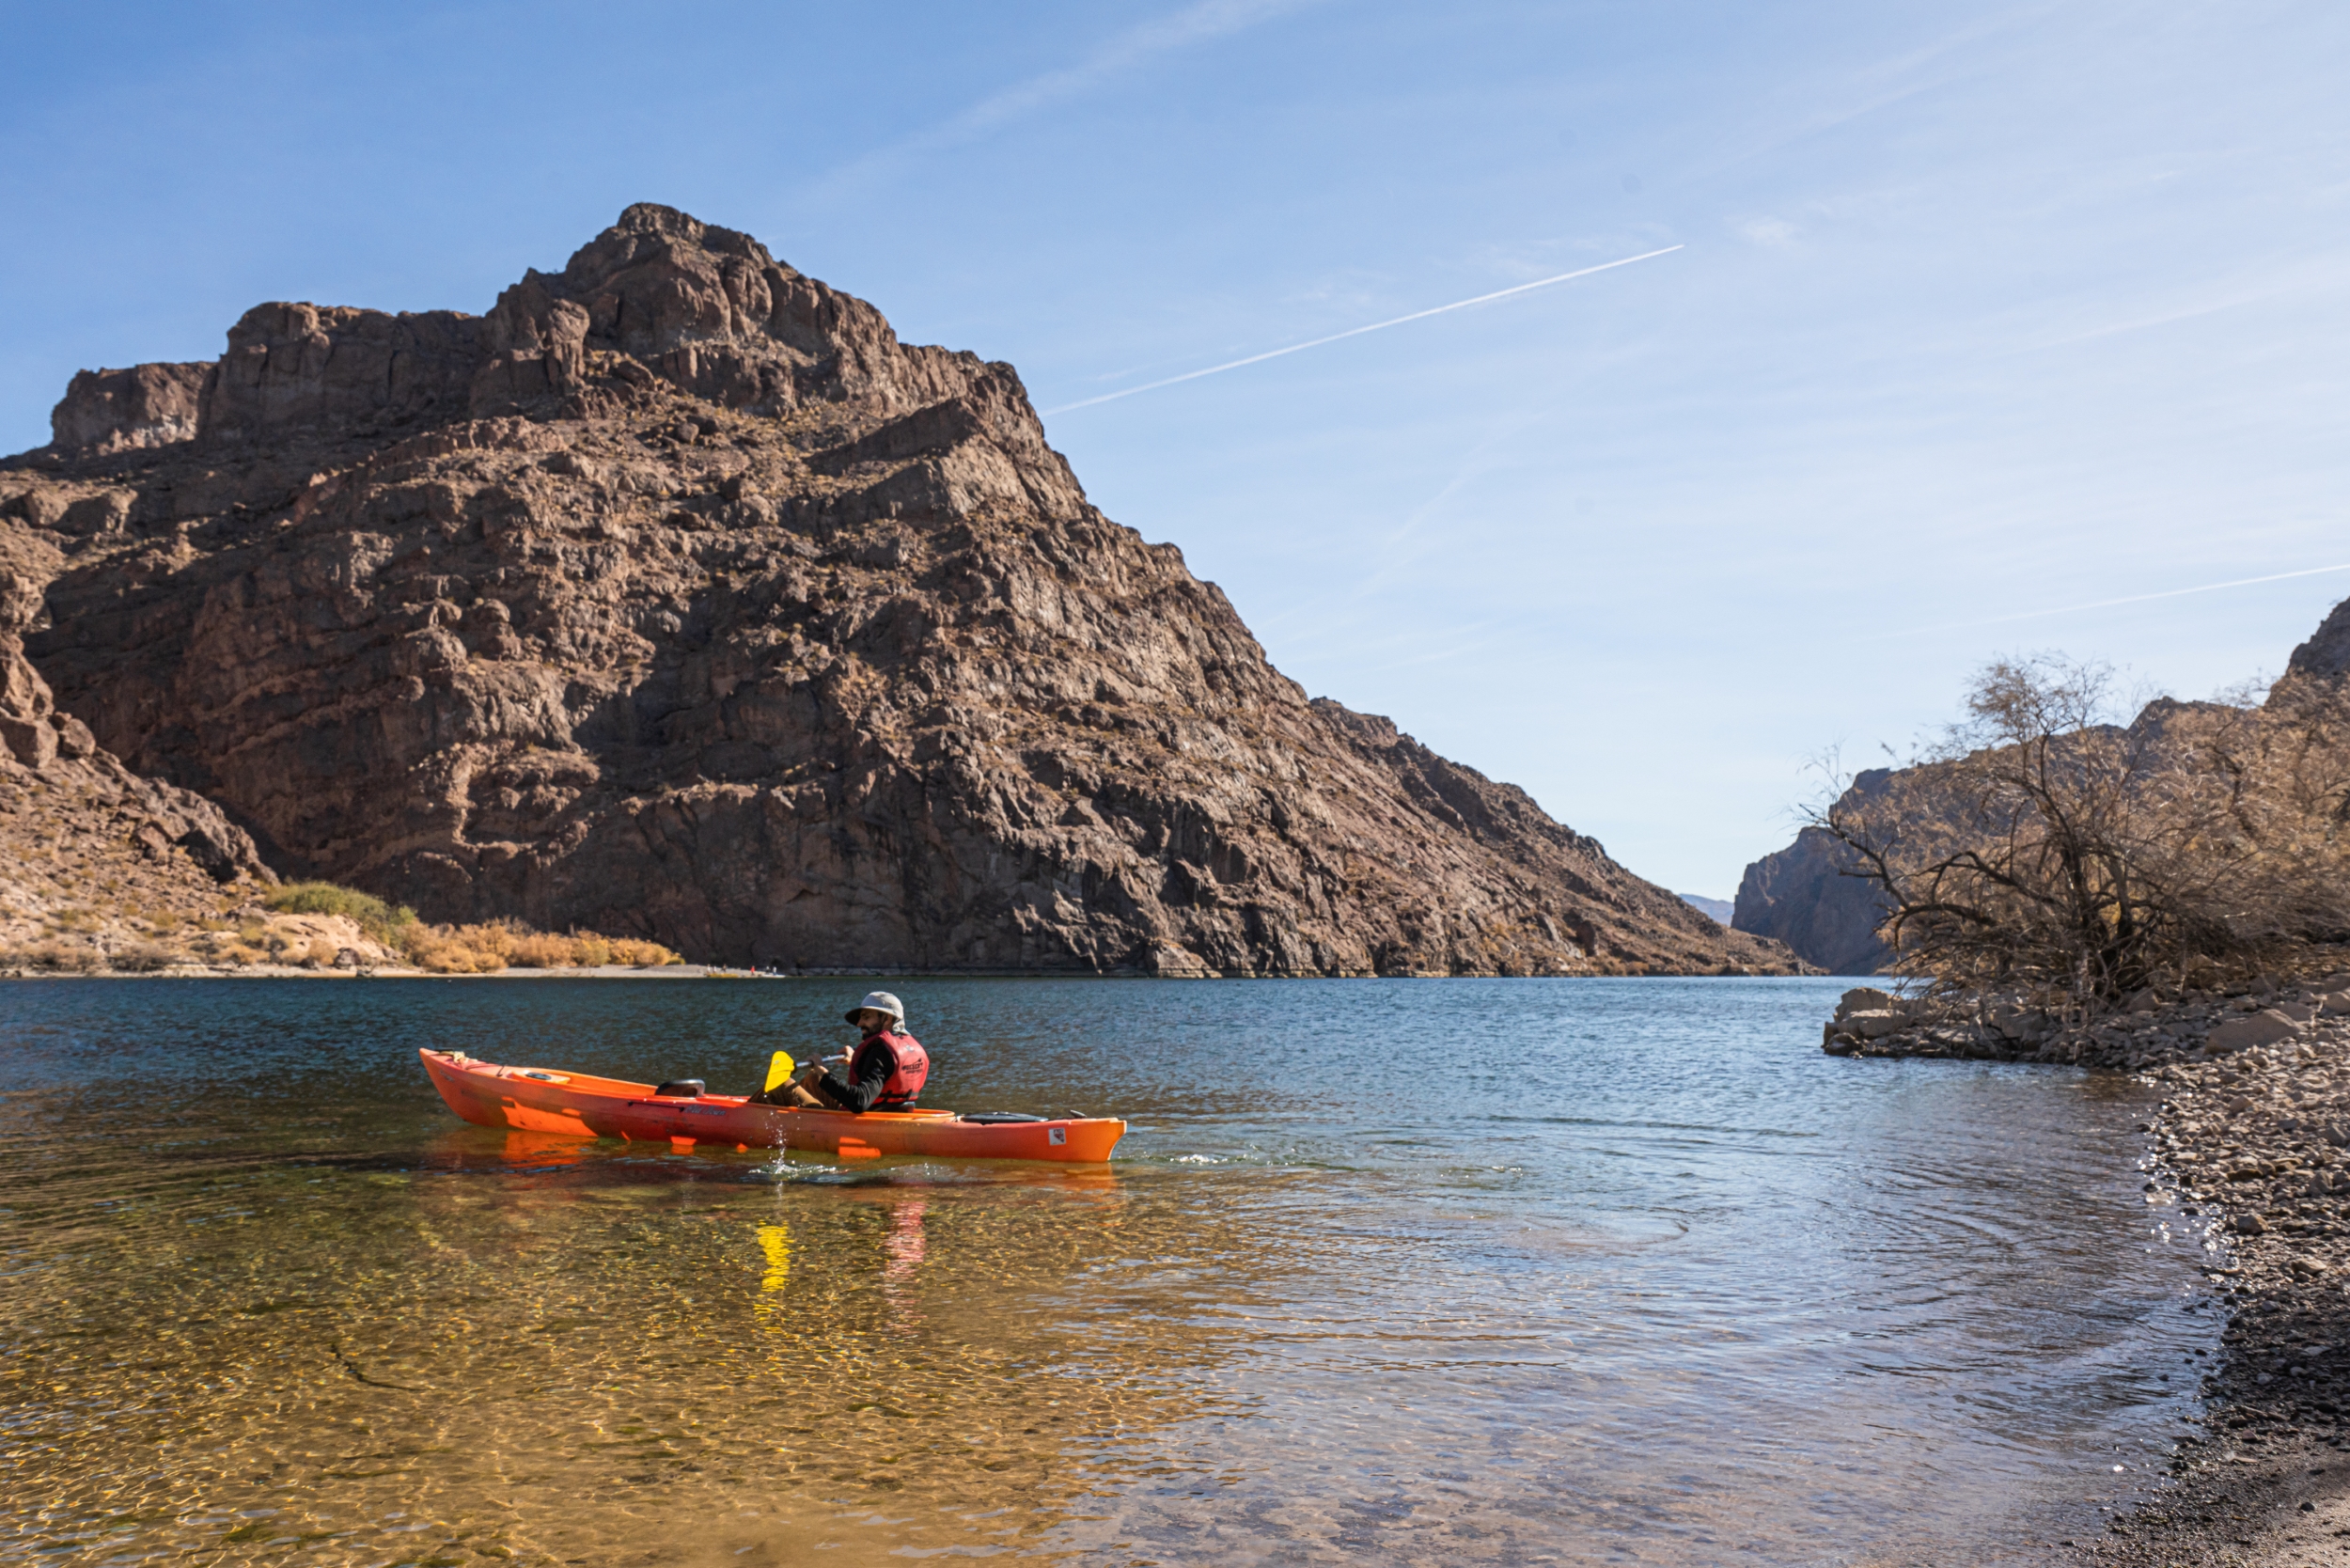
878 1001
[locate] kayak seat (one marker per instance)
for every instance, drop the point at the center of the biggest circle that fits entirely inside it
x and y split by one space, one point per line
682 1089
998 1118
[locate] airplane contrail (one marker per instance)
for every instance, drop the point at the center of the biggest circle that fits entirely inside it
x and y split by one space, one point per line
2108 603
1357 332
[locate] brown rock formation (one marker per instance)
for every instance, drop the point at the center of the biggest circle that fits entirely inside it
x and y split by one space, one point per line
86 844
146 405
1800 895
2325 655
676 596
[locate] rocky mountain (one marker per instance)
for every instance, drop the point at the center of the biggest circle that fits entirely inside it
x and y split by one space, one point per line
676 596
1717 910
2326 654
1800 895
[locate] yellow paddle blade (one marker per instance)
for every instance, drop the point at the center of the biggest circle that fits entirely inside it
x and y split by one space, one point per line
778 1071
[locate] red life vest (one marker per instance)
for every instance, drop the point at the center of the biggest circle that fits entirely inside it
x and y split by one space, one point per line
910 1072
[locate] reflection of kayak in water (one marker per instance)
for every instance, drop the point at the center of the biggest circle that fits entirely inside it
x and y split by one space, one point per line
536 1100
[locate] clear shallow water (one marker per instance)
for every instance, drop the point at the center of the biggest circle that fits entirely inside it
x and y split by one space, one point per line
1392 1271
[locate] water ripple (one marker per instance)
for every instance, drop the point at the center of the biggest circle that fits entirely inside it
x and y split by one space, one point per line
1647 1280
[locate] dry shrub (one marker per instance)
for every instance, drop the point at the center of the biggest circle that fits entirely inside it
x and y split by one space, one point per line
64 957
481 950
460 949
321 953
490 941
540 951
140 957
442 956
386 923
2041 849
439 957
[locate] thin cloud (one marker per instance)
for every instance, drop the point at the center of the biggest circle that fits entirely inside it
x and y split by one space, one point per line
1203 23
2108 603
1774 233
1357 332
1306 622
2147 323
1830 105
2298 278
1195 25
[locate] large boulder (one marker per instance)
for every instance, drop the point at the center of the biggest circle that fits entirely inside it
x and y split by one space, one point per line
1863 999
2020 1024
113 411
1864 1014
2268 1027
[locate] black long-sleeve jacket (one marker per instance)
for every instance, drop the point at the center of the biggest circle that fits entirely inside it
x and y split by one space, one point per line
868 1075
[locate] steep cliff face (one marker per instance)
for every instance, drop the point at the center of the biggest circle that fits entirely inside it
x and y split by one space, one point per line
2326 656
146 405
83 838
1801 897
676 596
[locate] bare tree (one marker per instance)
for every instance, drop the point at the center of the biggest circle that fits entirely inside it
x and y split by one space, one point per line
2041 847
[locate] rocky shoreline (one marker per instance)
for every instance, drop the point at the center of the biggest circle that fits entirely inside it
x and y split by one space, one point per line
2250 1149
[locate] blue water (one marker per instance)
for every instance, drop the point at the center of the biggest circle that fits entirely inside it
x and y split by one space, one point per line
1414 1271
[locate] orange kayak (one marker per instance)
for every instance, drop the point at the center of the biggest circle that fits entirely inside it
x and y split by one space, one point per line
538 1099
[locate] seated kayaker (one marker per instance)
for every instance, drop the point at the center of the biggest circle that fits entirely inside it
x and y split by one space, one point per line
886 1071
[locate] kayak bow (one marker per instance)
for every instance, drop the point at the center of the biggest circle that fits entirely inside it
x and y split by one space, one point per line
538 1099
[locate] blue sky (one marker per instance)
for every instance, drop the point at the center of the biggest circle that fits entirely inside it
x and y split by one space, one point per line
1984 314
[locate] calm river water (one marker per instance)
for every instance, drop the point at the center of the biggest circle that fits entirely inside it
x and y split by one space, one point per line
1433 1272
